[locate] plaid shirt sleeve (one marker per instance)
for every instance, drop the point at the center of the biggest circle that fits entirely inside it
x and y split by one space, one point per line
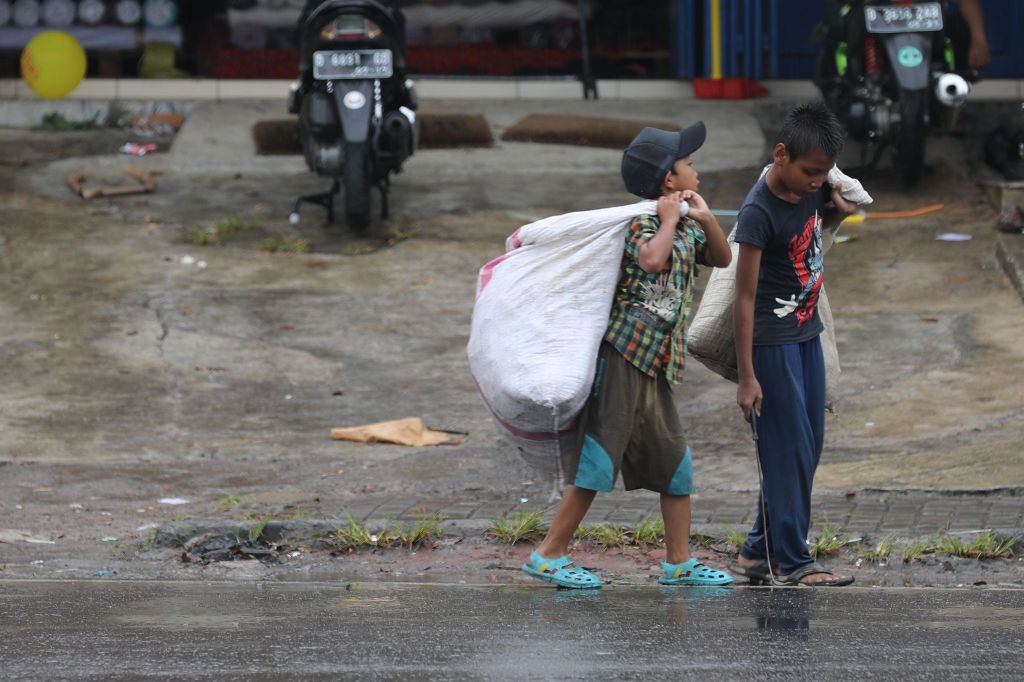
700 243
641 230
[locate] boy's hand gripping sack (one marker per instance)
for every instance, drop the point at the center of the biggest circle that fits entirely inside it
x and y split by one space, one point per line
540 314
710 337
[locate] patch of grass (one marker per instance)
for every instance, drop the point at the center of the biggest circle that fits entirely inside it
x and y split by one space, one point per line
429 526
229 502
649 532
985 545
829 542
211 236
55 122
197 236
397 234
523 526
736 539
915 550
584 531
284 244
256 531
610 535
361 248
353 535
702 540
880 552
149 543
231 225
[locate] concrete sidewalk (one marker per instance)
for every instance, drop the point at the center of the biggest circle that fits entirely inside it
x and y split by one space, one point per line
222 382
900 513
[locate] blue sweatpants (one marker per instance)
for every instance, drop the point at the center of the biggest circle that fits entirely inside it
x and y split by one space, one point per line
791 431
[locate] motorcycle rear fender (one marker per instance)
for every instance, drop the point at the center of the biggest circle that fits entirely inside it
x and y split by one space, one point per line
355 121
914 77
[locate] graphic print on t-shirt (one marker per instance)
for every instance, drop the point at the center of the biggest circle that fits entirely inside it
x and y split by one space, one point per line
806 255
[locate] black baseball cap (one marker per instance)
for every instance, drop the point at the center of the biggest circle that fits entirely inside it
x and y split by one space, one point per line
652 154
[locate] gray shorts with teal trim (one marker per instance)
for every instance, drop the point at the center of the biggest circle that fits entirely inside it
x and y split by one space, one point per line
629 424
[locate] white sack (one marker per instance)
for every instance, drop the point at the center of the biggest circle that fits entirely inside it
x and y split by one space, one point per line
540 314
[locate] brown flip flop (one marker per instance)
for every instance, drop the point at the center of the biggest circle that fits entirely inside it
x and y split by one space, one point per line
814 568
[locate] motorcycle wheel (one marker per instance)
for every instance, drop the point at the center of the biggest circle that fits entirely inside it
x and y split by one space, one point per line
356 177
911 137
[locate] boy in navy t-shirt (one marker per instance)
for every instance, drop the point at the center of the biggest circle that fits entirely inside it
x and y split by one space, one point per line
781 371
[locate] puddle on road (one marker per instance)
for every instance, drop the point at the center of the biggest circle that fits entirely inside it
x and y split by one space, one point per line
167 620
978 617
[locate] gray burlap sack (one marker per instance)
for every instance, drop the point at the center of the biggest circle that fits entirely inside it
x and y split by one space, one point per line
710 337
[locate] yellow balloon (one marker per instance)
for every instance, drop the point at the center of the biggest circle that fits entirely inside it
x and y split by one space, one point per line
53 64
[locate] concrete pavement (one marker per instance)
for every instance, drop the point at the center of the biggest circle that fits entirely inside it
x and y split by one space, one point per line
132 376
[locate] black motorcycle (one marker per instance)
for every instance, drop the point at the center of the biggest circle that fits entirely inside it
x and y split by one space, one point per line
888 70
357 120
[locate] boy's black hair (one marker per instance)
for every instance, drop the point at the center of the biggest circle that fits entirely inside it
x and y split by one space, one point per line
811 126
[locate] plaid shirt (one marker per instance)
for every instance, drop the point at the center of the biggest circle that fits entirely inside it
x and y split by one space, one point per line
648 319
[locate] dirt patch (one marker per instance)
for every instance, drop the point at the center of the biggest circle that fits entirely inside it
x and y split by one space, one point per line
448 130
585 131
279 137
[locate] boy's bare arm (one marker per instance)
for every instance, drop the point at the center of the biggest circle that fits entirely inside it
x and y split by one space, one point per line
718 253
748 391
841 208
655 252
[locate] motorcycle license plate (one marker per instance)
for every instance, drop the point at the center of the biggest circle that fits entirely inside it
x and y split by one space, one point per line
923 16
346 64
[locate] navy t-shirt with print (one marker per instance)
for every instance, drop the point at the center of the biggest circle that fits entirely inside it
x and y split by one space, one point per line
792 263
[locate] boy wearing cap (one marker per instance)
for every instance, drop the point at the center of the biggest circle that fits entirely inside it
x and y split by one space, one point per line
630 423
781 388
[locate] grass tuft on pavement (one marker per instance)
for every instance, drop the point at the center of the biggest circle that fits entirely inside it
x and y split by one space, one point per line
915 550
649 532
736 539
829 542
985 545
524 526
284 244
606 535
355 535
880 553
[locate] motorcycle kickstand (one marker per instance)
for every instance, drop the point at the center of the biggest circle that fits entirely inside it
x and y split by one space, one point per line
876 149
384 186
325 199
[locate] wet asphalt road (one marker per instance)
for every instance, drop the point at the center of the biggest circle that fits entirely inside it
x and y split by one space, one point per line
222 631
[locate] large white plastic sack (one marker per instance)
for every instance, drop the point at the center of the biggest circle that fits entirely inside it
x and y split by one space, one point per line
540 314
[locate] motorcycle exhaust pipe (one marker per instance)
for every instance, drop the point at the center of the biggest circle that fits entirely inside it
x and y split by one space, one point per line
396 125
398 131
952 89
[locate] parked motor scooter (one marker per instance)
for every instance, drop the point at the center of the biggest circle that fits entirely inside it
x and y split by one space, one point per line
357 120
888 71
